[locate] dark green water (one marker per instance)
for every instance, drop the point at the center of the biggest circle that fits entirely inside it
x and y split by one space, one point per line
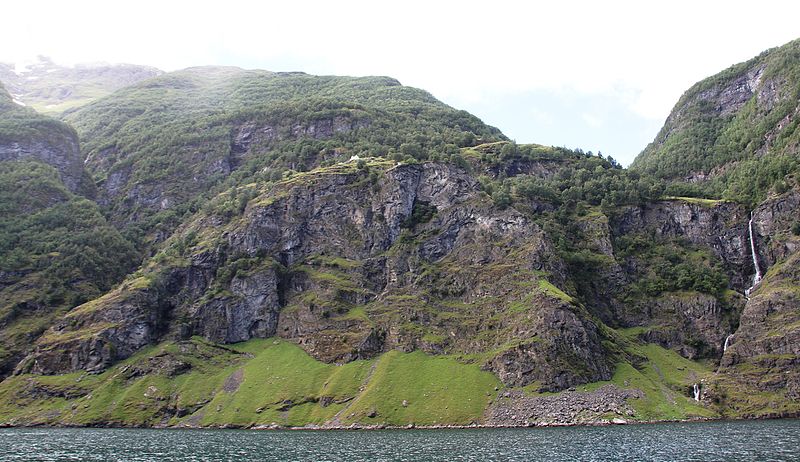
715 441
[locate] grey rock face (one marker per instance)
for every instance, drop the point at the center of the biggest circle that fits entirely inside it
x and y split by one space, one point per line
730 97
566 355
768 325
96 338
251 135
765 350
772 222
698 324
62 153
722 228
325 245
209 162
251 311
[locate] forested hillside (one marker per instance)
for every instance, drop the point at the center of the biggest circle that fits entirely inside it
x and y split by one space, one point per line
56 248
246 248
733 135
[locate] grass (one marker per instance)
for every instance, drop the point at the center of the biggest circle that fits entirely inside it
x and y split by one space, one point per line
665 378
280 376
752 390
549 289
434 390
261 381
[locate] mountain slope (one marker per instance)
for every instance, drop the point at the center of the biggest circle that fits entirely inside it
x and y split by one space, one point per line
53 89
158 147
343 261
352 263
733 135
56 249
25 134
335 251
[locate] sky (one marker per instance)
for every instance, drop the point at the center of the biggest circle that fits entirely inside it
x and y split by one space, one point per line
601 76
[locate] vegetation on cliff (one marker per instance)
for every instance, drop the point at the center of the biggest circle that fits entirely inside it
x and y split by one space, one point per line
334 250
733 135
56 248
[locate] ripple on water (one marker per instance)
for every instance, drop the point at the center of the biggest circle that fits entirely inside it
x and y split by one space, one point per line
709 441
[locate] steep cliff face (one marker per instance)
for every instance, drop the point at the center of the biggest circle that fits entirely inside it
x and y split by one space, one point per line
715 225
763 354
734 135
773 222
334 250
26 135
348 266
675 270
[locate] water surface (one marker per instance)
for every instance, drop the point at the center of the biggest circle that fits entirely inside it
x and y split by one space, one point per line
713 441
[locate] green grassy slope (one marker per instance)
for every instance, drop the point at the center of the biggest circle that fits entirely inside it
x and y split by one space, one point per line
51 89
270 381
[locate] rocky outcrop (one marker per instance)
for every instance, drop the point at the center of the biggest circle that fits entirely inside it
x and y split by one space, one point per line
772 223
26 135
252 137
694 324
720 227
763 354
62 153
99 333
213 122
562 353
350 268
249 311
770 322
515 408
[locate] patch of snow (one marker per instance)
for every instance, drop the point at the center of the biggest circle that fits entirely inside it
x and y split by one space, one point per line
15 99
21 68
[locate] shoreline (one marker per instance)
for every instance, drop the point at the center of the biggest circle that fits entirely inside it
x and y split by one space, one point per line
359 427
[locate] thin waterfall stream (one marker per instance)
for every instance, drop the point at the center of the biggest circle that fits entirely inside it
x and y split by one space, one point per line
756 277
754 253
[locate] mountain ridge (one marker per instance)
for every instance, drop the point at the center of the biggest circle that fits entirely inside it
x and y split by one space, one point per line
332 251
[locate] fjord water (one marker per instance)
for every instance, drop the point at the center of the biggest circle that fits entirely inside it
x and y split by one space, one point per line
709 441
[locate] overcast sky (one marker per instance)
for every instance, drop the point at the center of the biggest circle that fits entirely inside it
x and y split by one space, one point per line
590 74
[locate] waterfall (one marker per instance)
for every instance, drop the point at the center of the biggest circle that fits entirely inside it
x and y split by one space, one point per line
757 276
696 390
727 343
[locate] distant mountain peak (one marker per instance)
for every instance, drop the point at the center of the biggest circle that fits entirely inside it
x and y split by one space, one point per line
53 88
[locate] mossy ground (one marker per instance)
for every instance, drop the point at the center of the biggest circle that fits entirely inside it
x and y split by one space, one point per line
665 378
261 381
271 381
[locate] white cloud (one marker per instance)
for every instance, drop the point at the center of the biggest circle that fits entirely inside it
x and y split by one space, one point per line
540 117
643 52
592 120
